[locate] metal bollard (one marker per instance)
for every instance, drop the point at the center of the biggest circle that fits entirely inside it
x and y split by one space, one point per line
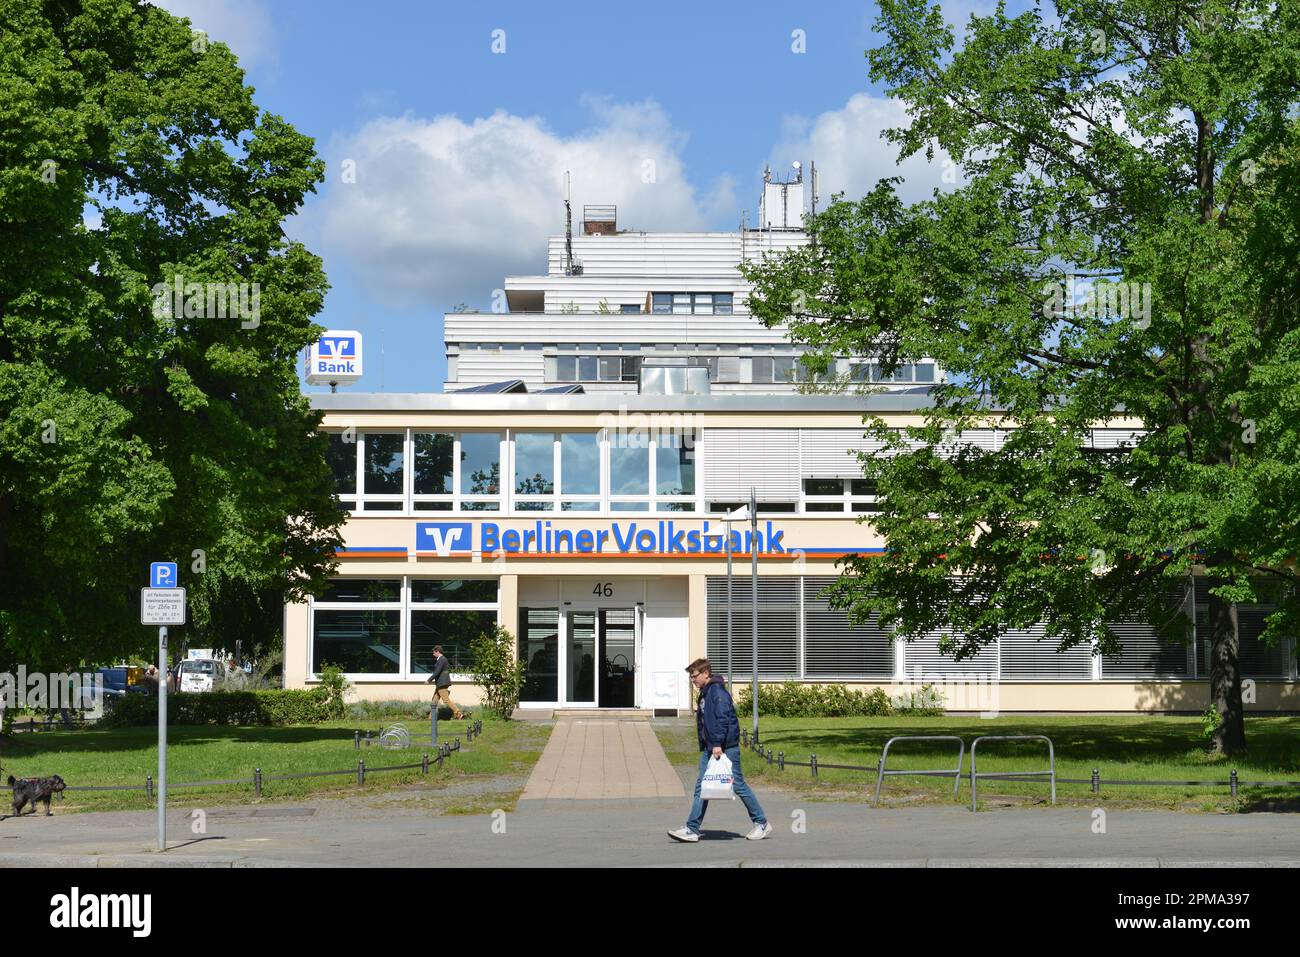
361 770
812 760
356 740
257 782
1096 781
148 786
1232 782
744 737
769 755
424 763
780 760
439 758
457 747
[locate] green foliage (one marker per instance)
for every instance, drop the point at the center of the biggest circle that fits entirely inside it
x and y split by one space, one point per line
335 688
926 702
275 707
793 700
131 431
1211 720
396 710
497 671
1151 143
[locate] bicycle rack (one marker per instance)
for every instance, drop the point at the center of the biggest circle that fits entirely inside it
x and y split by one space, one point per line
956 775
1051 758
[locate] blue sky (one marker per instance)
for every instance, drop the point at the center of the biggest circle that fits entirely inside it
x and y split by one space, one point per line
458 150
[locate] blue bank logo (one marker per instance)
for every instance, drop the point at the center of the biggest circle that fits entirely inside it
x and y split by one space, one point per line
443 538
338 347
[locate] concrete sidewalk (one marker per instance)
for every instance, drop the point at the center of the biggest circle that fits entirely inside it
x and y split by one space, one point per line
630 832
602 759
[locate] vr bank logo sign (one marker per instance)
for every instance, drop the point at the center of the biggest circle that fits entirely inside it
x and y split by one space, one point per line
664 537
335 357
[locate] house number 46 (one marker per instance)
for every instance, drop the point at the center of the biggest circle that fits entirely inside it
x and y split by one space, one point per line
603 589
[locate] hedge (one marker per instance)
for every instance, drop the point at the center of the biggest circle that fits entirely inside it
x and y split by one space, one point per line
270 707
794 700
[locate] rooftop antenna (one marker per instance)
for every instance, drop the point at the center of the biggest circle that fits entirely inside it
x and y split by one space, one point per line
812 171
568 228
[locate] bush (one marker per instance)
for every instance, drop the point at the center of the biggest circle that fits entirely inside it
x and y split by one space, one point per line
497 671
276 707
926 703
382 710
336 688
793 700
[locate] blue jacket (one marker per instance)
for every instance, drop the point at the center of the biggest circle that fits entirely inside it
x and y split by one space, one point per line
715 721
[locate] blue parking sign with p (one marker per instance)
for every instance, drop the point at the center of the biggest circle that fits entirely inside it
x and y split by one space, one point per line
162 575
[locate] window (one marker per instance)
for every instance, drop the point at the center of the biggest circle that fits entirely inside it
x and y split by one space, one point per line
839 495
778 369
630 307
595 368
388 627
534 471
688 303
480 471
342 458
764 508
539 650
659 470
580 471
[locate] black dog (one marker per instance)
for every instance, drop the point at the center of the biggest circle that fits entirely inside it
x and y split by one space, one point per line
33 790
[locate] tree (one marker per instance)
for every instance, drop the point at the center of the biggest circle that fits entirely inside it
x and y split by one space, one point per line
151 312
1146 154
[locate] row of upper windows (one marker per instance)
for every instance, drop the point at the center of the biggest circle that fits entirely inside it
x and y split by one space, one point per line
415 471
728 369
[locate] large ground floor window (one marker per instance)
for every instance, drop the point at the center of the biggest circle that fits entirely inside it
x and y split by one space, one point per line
801 637
386 628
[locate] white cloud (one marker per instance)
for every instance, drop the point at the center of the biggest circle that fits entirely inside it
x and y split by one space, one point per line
243 25
442 209
852 155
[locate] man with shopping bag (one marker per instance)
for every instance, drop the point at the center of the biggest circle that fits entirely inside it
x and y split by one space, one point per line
720 775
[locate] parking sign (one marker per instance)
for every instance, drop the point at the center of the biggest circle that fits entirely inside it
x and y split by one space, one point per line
162 575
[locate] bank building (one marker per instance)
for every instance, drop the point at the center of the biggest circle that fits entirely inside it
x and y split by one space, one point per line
571 481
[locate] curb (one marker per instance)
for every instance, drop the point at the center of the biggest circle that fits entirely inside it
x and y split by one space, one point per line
97 861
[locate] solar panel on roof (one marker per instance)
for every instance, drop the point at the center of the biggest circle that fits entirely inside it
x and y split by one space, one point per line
497 388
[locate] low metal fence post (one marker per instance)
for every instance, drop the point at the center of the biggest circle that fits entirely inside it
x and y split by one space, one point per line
356 740
780 760
769 755
424 764
812 763
361 770
1096 781
148 786
257 782
1232 782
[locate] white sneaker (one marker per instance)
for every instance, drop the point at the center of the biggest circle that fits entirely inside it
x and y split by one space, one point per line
759 832
685 834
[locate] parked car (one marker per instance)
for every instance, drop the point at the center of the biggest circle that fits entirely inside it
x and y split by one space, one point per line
199 674
123 679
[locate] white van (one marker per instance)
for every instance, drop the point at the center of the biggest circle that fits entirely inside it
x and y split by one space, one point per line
199 674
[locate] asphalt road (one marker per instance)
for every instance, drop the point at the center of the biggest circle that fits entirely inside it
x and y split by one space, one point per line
392 830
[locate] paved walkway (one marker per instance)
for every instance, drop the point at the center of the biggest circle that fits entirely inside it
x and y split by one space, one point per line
602 759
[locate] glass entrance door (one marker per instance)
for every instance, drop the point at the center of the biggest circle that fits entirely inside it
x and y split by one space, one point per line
580 652
618 657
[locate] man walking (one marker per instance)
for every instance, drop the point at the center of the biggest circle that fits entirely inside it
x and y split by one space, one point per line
441 681
719 733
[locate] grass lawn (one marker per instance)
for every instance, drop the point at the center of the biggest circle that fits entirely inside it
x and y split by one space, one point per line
1121 747
494 765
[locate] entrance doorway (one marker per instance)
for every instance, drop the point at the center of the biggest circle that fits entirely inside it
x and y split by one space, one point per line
600 653
581 655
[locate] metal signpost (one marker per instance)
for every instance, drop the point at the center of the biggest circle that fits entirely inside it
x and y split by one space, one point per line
162 604
753 551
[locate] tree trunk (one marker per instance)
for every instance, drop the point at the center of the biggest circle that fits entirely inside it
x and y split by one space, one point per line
1225 678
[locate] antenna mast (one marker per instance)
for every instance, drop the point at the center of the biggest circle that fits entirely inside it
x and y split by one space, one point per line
568 228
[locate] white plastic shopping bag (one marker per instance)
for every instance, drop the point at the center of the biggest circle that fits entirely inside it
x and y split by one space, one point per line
717 783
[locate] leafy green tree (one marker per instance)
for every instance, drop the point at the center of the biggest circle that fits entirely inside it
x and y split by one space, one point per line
151 312
1149 147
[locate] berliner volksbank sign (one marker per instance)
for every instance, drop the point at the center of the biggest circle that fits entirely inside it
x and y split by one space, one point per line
646 537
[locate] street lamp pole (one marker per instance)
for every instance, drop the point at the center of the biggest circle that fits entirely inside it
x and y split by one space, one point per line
753 551
729 659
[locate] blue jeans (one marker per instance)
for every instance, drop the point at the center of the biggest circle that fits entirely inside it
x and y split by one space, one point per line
742 791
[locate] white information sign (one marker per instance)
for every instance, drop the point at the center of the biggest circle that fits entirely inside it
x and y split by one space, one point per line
162 606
